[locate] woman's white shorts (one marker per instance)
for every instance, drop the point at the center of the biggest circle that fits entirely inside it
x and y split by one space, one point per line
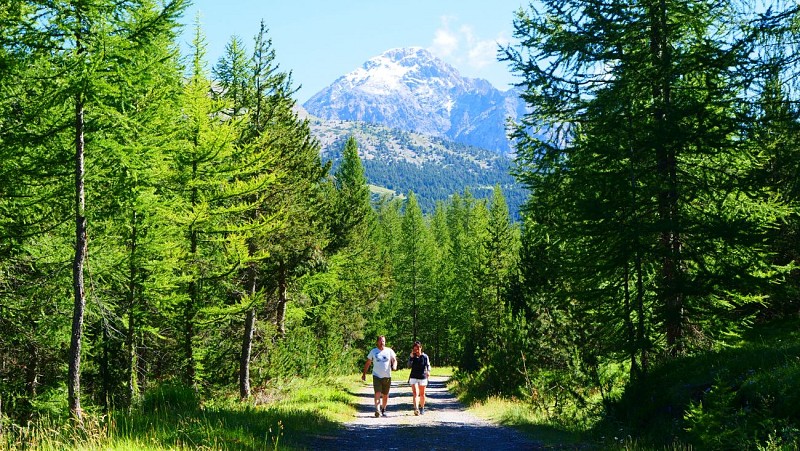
421 382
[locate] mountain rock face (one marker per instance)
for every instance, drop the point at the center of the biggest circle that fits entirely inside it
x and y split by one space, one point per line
410 89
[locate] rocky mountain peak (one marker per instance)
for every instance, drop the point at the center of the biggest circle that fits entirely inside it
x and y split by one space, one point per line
411 89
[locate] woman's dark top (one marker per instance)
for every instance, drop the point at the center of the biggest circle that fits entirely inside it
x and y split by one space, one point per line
419 365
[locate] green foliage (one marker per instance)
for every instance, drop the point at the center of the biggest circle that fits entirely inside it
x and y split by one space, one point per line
739 396
661 222
352 207
170 396
646 234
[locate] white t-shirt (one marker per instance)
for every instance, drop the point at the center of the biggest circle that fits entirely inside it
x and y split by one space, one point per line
382 361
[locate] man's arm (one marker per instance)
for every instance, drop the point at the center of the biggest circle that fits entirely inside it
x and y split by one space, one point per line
394 361
366 367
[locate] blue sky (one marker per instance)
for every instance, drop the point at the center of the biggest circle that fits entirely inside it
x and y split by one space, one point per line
320 40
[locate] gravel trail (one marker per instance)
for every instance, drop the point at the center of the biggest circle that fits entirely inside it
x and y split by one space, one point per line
446 425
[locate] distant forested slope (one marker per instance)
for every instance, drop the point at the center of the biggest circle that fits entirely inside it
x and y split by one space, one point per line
433 168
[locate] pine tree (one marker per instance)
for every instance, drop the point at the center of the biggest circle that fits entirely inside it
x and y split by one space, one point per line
413 268
643 162
352 208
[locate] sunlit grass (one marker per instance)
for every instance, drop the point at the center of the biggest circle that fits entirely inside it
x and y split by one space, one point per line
277 417
525 418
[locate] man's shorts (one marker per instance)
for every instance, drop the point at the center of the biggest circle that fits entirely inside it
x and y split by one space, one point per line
381 384
421 382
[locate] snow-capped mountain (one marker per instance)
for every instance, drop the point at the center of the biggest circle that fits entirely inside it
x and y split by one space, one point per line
410 89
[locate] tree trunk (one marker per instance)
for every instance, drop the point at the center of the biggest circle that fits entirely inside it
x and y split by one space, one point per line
192 302
188 320
247 346
628 320
247 339
130 338
73 374
666 166
32 371
280 320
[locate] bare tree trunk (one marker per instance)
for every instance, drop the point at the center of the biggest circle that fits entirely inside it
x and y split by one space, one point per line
130 338
191 303
247 339
247 346
73 374
280 319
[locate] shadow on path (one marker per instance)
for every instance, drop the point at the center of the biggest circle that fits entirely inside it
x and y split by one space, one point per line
446 425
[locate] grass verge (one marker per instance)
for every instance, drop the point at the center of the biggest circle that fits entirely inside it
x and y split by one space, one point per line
171 417
277 417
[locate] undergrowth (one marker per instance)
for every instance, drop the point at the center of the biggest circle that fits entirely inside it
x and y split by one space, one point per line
172 416
742 396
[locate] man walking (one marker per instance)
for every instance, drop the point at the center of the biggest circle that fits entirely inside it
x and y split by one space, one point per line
383 361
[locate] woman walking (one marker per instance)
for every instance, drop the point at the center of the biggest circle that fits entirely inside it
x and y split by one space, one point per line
420 371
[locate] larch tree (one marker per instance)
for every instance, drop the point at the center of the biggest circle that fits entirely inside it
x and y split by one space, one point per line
78 48
205 164
501 250
283 214
640 173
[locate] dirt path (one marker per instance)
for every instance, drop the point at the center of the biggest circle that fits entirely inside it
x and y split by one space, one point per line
446 425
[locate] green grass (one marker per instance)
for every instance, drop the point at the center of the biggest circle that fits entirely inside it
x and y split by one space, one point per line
381 191
171 417
523 417
277 417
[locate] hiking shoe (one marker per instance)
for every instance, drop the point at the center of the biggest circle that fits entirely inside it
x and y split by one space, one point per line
383 412
422 411
416 412
377 414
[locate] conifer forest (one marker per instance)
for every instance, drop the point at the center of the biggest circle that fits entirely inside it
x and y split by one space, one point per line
168 219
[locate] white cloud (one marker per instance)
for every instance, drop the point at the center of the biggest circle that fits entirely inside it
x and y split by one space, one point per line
463 46
445 42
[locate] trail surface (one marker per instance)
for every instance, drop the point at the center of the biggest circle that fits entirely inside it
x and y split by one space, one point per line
446 425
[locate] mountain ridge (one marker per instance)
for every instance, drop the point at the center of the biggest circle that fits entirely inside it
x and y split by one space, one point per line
434 168
410 89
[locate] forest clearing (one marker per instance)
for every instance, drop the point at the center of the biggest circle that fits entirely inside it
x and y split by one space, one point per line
179 268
